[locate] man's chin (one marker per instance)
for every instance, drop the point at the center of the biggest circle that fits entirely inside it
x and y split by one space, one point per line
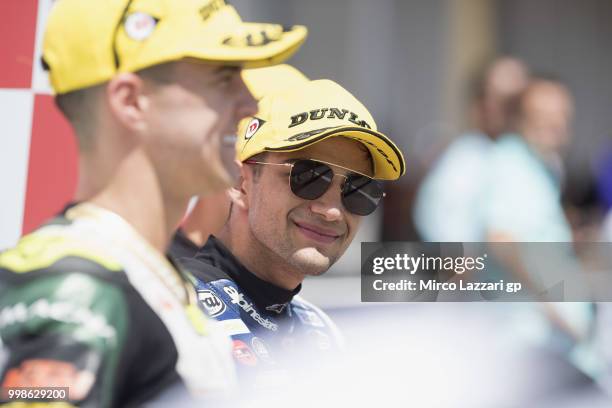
310 261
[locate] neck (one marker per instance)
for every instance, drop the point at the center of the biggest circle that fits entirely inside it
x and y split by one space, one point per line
134 193
257 258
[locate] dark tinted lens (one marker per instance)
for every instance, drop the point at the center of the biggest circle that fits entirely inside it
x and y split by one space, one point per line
361 194
310 179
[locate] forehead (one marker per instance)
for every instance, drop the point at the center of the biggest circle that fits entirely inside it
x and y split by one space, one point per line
342 151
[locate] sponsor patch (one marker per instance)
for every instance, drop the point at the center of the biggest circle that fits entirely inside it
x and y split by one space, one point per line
65 312
310 318
211 302
253 126
139 26
233 327
260 348
243 354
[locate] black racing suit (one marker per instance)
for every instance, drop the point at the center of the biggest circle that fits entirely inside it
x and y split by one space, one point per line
267 324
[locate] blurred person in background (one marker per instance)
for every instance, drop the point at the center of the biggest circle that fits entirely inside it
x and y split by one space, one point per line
446 203
523 196
89 301
311 164
208 214
521 202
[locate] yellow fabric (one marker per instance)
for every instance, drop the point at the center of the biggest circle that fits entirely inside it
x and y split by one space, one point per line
82 37
303 113
20 404
40 250
262 81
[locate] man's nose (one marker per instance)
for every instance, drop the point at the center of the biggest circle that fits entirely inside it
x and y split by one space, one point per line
329 205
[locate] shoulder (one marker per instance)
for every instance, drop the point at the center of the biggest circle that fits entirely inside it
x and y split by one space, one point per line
510 148
181 246
51 253
312 316
203 271
305 308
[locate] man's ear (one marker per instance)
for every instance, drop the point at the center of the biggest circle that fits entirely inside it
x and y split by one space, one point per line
239 193
126 101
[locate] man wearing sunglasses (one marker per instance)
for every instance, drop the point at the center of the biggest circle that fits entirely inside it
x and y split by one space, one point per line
89 302
312 165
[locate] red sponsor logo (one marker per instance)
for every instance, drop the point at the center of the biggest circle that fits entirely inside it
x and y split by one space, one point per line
252 127
243 353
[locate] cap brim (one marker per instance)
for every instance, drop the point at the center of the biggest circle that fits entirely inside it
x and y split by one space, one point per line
388 159
255 56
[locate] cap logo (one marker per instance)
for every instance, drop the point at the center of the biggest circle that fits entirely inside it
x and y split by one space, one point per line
307 135
253 126
139 26
334 113
253 39
210 8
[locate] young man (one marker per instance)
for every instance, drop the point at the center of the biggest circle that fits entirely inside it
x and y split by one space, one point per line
89 301
208 214
311 161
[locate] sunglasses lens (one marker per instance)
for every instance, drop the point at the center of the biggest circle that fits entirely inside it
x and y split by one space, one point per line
310 179
361 195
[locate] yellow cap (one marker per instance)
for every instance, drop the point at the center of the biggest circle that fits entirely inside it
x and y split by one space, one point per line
309 112
262 81
88 42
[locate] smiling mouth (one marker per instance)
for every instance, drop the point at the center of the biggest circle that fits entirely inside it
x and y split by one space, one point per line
317 234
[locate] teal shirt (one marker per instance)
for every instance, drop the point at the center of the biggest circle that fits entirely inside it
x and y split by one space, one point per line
522 196
446 207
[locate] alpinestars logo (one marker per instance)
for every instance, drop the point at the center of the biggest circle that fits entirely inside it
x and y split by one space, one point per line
238 299
277 308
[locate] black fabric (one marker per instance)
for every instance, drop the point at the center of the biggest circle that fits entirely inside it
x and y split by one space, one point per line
181 246
141 377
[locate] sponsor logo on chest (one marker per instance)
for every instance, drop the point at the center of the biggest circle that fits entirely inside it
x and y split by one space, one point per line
238 299
211 302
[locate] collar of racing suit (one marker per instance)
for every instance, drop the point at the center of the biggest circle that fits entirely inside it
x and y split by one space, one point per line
264 294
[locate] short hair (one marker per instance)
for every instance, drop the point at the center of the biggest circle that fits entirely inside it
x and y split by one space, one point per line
79 107
160 73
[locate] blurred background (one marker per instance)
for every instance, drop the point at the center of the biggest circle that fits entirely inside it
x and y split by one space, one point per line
413 63
421 67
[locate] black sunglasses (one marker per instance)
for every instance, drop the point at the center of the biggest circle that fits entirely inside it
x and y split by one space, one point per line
310 179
